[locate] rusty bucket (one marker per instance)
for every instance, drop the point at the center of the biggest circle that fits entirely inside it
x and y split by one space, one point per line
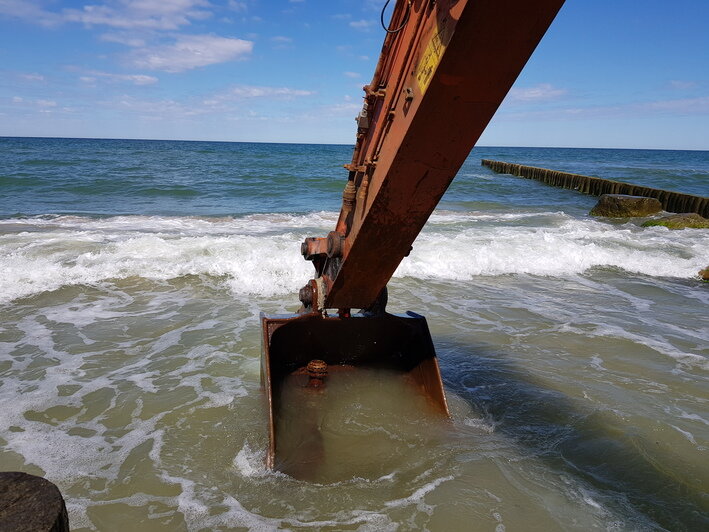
308 347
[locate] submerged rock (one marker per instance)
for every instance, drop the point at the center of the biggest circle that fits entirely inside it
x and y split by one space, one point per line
680 221
624 206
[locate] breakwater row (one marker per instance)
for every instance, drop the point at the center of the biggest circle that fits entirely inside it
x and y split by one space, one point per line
595 186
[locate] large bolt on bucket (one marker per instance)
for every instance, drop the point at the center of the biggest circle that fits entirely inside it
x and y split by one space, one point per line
304 356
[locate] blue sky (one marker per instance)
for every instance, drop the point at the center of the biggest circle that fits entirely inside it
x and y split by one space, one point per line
608 73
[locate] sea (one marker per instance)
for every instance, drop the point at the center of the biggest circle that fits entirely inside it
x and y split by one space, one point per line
574 350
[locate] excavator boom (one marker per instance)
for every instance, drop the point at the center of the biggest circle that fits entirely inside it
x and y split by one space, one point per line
444 69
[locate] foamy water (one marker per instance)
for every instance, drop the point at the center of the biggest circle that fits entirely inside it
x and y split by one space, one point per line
255 254
573 351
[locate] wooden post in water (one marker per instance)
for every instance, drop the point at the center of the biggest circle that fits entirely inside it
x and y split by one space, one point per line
596 186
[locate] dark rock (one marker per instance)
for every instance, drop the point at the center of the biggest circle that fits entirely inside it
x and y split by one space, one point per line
31 504
623 206
680 221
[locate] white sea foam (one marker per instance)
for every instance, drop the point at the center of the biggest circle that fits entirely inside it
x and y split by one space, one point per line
597 363
418 495
686 434
49 438
250 463
264 266
653 341
250 224
482 424
573 247
258 254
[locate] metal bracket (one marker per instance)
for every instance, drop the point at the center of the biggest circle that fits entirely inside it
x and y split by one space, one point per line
363 117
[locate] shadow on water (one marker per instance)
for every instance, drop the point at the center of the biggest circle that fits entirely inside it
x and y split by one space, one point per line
594 446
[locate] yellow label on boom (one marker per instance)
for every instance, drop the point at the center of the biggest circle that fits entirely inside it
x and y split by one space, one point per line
432 55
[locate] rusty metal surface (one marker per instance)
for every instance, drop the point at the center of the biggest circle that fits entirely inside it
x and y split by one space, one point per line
437 84
291 345
317 372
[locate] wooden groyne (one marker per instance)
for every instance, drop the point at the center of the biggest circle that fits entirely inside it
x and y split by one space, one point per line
595 186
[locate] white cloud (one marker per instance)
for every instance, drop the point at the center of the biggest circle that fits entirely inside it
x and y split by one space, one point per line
123 38
191 51
239 7
225 101
40 105
146 14
32 76
683 85
335 111
29 10
246 91
543 92
224 104
680 107
362 25
125 14
241 92
374 5
343 108
154 109
136 79
281 42
685 106
353 75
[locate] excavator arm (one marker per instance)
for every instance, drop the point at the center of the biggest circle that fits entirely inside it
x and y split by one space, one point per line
444 69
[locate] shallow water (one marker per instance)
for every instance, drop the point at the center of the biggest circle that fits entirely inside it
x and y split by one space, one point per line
574 351
362 423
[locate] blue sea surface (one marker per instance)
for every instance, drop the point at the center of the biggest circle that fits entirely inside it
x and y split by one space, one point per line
179 178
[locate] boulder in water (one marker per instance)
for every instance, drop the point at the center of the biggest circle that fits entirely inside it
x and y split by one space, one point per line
704 274
680 221
29 503
624 206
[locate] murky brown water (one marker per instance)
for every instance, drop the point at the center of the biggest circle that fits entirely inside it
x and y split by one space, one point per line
362 423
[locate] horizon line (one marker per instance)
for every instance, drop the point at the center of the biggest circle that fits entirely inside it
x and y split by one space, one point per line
335 143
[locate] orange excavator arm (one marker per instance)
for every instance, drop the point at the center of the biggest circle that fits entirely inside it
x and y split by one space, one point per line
445 67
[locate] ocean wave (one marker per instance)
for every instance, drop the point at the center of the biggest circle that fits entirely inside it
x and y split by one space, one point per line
259 253
187 225
572 247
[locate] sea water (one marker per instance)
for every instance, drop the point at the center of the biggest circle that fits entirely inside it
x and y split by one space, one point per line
574 350
361 423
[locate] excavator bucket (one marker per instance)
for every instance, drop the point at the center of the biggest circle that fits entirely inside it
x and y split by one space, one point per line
304 355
